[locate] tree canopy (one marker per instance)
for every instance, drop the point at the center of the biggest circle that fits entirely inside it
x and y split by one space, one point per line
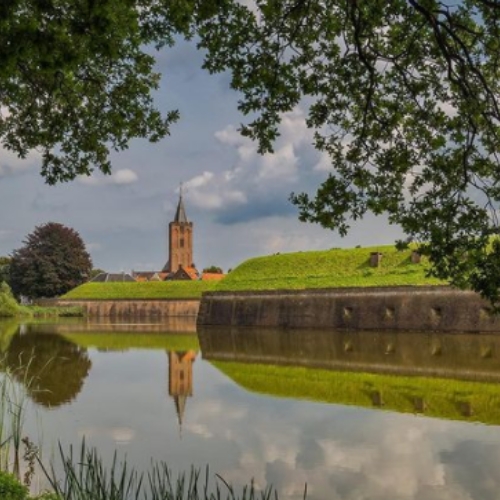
4 268
52 261
402 95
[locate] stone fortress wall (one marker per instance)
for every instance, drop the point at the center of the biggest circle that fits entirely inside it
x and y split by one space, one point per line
136 309
382 308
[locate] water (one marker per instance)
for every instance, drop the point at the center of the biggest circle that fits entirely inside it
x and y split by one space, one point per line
267 405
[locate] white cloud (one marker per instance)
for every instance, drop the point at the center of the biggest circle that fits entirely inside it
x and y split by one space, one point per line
11 163
4 233
258 185
209 192
118 177
93 246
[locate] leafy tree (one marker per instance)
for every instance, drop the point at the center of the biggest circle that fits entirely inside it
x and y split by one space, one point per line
52 261
402 95
4 268
95 272
8 305
213 269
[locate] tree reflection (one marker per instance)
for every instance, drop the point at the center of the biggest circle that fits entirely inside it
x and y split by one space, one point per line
51 368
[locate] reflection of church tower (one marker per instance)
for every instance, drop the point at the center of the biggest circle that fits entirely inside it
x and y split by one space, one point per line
180 379
180 240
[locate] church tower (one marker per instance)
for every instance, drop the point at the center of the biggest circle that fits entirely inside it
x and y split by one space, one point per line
180 379
180 240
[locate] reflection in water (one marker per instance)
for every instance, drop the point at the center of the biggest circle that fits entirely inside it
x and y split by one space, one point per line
180 379
291 364
458 356
52 368
341 452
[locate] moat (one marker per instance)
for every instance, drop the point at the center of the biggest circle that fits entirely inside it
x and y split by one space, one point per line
354 415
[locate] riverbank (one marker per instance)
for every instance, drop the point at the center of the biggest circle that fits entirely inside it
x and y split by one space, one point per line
10 308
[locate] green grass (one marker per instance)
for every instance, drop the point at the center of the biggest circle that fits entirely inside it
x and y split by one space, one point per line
444 398
123 341
50 312
141 290
326 269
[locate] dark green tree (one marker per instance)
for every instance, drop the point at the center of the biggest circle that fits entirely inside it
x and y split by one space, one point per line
95 272
52 261
402 95
213 269
4 269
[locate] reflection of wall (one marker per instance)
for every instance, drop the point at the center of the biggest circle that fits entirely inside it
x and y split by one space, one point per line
137 309
180 379
396 308
465 356
290 363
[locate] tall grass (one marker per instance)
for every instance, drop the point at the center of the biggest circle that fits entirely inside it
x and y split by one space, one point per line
84 477
13 402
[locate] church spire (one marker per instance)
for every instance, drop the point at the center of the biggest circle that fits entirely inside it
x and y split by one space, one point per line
180 213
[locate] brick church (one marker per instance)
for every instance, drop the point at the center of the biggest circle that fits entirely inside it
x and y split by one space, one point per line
180 264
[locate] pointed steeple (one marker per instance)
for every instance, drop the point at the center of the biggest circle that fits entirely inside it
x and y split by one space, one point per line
180 407
180 213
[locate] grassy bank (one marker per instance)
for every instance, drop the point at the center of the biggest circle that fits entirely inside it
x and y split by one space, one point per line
141 290
124 341
326 269
10 308
433 397
50 312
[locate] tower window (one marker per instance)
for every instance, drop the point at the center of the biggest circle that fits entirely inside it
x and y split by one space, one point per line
182 242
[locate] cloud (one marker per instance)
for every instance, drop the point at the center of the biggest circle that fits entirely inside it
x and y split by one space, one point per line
5 233
93 247
259 186
204 192
12 164
118 177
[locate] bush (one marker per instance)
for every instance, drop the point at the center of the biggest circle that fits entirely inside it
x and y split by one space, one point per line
11 488
8 304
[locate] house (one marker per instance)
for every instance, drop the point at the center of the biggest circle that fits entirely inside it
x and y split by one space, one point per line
212 276
112 277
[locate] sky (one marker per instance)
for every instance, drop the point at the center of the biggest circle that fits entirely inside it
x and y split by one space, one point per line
236 198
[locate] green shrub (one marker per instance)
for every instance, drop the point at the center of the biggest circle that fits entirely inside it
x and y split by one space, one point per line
11 488
8 304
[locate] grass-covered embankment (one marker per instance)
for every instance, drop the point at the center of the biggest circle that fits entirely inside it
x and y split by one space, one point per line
328 269
141 290
441 398
10 308
125 341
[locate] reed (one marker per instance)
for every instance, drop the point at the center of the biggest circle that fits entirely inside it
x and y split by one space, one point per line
84 477
13 401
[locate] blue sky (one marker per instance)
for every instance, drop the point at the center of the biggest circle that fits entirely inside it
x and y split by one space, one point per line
236 198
